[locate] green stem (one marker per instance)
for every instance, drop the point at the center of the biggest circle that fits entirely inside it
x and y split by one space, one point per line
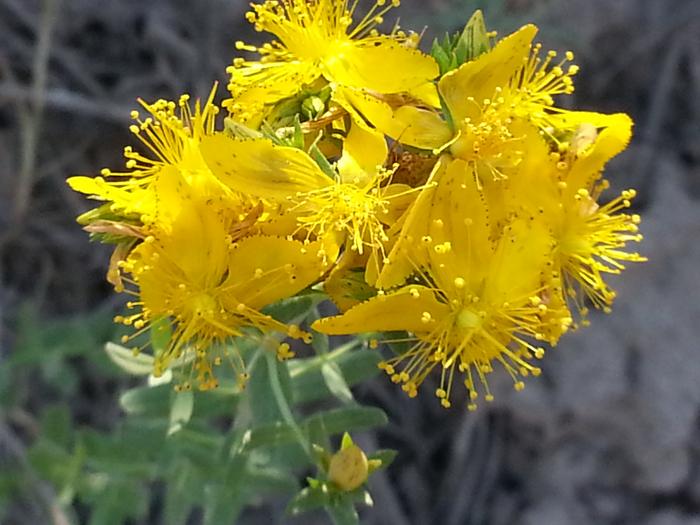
317 362
282 402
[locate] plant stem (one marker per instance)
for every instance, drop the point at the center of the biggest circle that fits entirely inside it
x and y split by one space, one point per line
31 120
282 403
317 362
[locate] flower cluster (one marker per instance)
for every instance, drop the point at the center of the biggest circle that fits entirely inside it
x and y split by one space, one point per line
445 197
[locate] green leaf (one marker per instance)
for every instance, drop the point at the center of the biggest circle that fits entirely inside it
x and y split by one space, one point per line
325 94
74 471
308 382
386 456
322 161
298 137
264 407
200 445
441 56
313 107
269 435
295 309
49 460
343 512
183 492
148 431
221 401
452 52
320 442
474 40
116 456
309 499
180 410
401 342
143 401
323 458
56 425
139 365
237 130
333 377
320 342
121 501
348 419
222 505
259 481
285 112
346 442
161 334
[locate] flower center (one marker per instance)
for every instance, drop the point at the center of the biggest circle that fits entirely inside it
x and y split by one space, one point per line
202 304
344 207
468 320
487 137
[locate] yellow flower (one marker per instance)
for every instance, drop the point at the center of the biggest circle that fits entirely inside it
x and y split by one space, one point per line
513 78
477 301
210 289
593 243
348 468
171 136
355 205
492 104
482 99
318 39
563 189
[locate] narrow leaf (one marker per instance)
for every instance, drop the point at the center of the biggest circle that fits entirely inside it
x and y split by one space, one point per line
308 499
346 442
349 419
139 364
474 40
386 456
180 410
271 434
161 333
222 505
309 384
333 377
152 401
343 512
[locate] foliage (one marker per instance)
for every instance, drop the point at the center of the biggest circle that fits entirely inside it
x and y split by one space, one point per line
211 453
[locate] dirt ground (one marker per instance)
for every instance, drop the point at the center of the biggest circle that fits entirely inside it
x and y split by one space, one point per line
608 435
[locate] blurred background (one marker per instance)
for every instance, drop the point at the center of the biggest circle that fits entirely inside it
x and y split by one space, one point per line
610 434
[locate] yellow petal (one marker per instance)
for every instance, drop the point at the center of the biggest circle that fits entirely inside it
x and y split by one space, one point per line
408 252
428 94
258 84
264 270
458 227
409 125
137 200
615 132
87 185
258 167
480 77
196 246
400 197
420 128
364 150
402 310
382 65
346 287
516 268
570 120
534 183
170 195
